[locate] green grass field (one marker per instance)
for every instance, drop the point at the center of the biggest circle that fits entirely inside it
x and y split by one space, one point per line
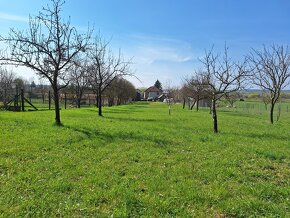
139 161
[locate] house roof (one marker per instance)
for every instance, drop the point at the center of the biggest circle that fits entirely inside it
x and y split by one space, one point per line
152 89
162 95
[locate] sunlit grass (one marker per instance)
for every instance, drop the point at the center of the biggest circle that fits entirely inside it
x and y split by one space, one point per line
139 161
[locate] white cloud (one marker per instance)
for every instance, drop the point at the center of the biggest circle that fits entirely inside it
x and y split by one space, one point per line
148 38
151 54
12 17
160 58
148 49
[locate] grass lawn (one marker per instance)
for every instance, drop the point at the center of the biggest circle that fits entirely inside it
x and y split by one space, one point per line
139 161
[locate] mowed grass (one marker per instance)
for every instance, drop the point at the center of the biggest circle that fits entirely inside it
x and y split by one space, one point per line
139 161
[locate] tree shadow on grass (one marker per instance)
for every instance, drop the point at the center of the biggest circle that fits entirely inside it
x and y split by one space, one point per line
111 111
246 115
118 111
115 110
267 136
252 135
108 137
132 119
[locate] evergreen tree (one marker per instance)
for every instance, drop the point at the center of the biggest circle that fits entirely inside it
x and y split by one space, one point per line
158 84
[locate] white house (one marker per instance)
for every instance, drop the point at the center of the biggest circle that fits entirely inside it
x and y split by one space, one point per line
152 92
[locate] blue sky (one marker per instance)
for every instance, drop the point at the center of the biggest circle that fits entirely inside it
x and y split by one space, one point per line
166 37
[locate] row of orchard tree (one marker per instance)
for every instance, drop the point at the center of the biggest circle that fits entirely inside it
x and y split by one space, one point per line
76 94
221 77
54 49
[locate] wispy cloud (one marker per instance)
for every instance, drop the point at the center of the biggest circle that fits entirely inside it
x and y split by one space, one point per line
151 38
13 17
149 49
161 58
152 54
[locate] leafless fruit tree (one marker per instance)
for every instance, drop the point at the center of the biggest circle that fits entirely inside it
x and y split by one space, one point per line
79 80
270 71
223 76
198 87
47 47
6 86
121 91
104 68
266 98
185 93
232 97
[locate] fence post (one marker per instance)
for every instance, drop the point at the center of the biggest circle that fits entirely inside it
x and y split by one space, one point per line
22 100
49 100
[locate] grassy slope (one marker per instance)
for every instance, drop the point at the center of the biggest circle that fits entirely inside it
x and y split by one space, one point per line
137 160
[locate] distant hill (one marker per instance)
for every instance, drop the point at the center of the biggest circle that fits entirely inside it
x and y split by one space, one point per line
259 91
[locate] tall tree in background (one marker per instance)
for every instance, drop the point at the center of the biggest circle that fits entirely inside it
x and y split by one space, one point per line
43 89
232 97
197 87
79 80
271 71
120 91
6 86
47 47
104 68
158 84
223 76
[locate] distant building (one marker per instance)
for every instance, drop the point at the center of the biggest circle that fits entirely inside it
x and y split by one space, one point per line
162 97
152 93
138 96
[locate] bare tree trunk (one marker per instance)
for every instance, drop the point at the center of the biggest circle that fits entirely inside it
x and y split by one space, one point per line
279 111
100 103
192 105
110 101
97 100
56 105
183 103
79 95
79 102
214 116
197 104
169 106
272 112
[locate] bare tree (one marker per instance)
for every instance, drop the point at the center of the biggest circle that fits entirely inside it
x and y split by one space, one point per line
174 93
104 68
6 86
48 47
185 93
79 80
266 98
43 89
198 87
270 68
169 93
223 76
121 91
125 91
232 97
